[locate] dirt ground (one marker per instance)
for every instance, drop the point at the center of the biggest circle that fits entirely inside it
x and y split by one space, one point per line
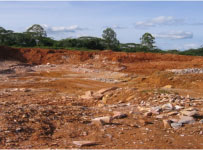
56 98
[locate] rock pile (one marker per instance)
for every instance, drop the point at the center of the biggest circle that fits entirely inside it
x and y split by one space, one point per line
187 71
175 110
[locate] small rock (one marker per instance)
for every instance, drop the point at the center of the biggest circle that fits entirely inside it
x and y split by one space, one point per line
186 120
134 125
148 114
172 113
167 123
189 113
201 121
85 143
168 87
104 99
168 106
130 98
102 120
160 116
26 90
174 120
191 109
156 110
177 107
119 115
143 108
101 105
109 136
176 125
88 95
84 133
144 122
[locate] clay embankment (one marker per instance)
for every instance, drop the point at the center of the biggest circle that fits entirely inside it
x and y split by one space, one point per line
43 56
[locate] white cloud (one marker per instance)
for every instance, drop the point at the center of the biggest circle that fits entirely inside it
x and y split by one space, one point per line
114 27
118 27
161 20
175 35
62 29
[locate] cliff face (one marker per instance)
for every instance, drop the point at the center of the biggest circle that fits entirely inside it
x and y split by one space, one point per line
41 56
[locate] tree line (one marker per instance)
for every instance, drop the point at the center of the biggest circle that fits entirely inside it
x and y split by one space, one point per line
36 36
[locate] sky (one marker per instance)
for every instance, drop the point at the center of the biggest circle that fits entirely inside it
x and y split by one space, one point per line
175 25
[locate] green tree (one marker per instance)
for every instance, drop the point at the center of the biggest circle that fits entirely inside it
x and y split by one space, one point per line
37 30
6 36
109 35
148 40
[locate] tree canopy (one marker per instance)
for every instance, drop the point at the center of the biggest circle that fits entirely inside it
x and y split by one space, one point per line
109 35
38 30
148 40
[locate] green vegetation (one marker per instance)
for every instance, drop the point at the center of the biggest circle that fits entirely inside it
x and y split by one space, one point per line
148 40
109 36
36 36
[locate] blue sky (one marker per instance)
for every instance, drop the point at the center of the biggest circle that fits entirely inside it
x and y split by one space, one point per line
176 25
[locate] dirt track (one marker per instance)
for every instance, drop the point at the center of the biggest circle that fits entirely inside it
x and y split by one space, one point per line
48 99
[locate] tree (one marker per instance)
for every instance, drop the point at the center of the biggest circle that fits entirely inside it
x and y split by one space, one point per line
37 30
109 35
147 40
2 30
6 36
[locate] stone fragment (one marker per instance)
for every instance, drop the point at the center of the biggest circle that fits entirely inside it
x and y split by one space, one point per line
104 99
191 109
85 143
130 98
177 107
119 115
134 125
176 125
201 121
144 122
167 106
101 105
174 120
156 110
168 87
102 120
172 113
148 114
186 120
167 123
88 95
189 113
160 116
143 108
97 96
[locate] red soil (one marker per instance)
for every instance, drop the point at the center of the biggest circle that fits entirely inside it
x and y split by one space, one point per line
42 56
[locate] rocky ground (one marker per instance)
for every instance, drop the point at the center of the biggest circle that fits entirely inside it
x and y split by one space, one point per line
57 99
